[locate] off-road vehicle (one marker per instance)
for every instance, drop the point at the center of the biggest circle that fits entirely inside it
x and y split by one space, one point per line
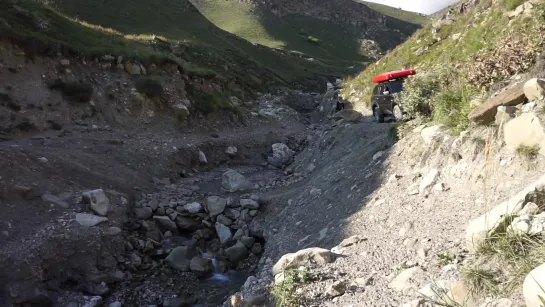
382 100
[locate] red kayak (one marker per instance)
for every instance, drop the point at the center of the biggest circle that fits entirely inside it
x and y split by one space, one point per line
393 75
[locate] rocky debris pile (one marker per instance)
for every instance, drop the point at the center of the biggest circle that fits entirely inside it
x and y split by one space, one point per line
190 232
282 155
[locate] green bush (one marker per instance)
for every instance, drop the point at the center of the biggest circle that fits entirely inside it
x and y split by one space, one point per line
313 40
417 96
150 86
512 4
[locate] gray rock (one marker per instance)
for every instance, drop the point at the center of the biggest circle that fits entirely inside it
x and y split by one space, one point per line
178 259
155 235
257 249
350 241
89 220
193 207
187 224
231 151
282 153
233 214
249 204
238 234
224 233
274 162
315 192
247 241
305 257
255 300
335 289
135 259
232 181
201 266
52 199
529 224
98 201
202 158
153 204
236 252
143 213
215 205
403 281
165 222
224 220
112 231
428 180
115 304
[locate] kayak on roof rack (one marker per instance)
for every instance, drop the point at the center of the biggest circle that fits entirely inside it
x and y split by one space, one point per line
382 100
394 75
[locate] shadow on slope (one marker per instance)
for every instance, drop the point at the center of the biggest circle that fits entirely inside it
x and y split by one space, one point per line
343 167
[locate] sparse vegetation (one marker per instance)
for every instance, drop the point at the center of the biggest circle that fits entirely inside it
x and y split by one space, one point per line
503 261
313 40
528 152
512 4
286 293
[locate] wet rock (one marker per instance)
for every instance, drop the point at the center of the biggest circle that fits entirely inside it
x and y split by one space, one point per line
237 252
143 213
215 205
350 241
89 220
249 204
534 89
201 266
335 289
224 233
98 201
232 181
178 259
52 199
193 207
231 151
304 257
165 222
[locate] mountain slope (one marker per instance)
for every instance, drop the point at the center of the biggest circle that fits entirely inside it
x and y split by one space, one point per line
463 39
334 32
149 31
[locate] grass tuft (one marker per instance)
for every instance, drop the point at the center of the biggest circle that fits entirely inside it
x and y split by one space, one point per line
286 292
528 152
480 280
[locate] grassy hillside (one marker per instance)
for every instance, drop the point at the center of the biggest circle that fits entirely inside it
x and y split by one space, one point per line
478 49
335 44
128 28
397 13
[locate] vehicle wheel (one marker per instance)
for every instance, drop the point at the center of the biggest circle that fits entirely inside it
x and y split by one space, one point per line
398 114
378 115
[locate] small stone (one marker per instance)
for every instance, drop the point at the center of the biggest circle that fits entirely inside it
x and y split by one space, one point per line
231 151
422 253
350 241
98 201
112 231
201 266
52 199
335 289
247 241
224 220
224 233
257 249
215 205
193 207
236 253
249 204
403 280
165 222
202 158
315 192
65 62
89 220
177 259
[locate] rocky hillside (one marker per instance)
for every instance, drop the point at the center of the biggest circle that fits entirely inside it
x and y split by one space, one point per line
340 33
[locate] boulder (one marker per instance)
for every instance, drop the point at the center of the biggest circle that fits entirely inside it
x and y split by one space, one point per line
430 134
533 288
132 68
233 181
490 222
486 112
282 153
348 115
534 89
98 201
224 233
249 204
529 224
193 207
231 151
305 257
236 253
178 259
201 266
165 222
215 205
527 130
187 224
89 220
505 114
143 213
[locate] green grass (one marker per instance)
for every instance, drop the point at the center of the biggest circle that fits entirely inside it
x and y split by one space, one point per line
528 152
397 13
285 292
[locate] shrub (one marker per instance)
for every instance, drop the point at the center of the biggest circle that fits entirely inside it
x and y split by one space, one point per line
528 152
512 4
74 90
313 40
150 86
417 96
